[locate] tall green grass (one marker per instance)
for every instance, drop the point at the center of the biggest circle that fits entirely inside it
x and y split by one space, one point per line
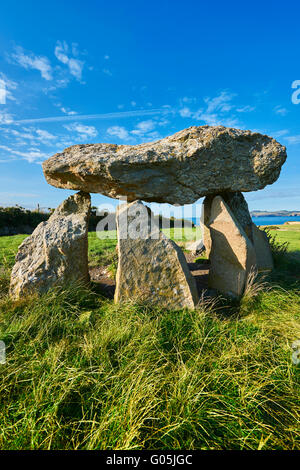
83 373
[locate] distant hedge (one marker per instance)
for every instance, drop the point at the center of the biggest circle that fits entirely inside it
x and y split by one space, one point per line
17 220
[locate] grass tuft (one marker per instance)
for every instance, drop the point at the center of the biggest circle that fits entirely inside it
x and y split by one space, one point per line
84 373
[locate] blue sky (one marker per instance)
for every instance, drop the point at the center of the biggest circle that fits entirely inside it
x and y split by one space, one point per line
134 71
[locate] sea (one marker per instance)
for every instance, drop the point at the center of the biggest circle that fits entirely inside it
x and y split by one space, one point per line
271 220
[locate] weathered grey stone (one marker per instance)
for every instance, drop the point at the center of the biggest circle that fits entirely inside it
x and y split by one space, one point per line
151 266
239 208
57 250
179 169
205 217
232 254
262 249
195 247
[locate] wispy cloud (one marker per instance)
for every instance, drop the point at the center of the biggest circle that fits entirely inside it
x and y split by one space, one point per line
31 154
219 103
246 109
68 111
29 135
5 118
281 110
105 116
143 127
215 111
293 139
82 130
107 72
118 131
8 86
64 54
29 60
65 110
280 133
143 130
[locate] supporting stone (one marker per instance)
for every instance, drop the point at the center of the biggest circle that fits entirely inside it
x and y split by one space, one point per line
239 208
56 252
205 216
151 266
196 247
262 249
232 253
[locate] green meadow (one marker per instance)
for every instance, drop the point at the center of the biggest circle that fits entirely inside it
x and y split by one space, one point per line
84 373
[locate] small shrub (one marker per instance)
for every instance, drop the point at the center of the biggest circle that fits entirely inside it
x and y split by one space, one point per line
278 248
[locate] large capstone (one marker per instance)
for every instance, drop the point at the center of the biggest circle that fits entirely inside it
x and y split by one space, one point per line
179 169
57 251
151 267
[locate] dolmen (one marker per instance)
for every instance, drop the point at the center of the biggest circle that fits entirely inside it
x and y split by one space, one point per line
214 162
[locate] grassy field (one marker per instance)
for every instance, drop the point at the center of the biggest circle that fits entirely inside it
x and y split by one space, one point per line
83 373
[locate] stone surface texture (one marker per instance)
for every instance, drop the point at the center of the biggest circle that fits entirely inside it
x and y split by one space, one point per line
196 246
179 169
151 267
232 253
56 252
205 216
262 249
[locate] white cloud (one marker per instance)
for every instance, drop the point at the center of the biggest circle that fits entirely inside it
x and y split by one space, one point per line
119 132
187 99
185 112
144 130
35 136
143 127
82 130
118 115
44 136
220 102
31 61
246 109
7 86
31 155
107 72
216 110
62 53
281 133
293 139
281 110
5 118
68 112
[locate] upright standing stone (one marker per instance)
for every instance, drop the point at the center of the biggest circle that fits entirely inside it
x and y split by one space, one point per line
205 217
232 254
262 250
239 208
57 250
151 266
